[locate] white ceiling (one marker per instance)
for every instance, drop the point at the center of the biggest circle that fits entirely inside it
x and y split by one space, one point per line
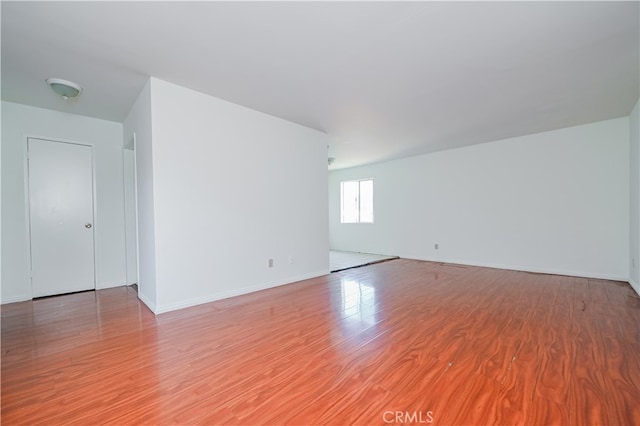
383 79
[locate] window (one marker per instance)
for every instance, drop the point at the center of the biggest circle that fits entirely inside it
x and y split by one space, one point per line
356 201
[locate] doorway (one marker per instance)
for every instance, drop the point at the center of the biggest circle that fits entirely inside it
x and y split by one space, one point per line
130 211
61 217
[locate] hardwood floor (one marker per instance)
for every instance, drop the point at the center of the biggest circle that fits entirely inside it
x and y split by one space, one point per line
396 342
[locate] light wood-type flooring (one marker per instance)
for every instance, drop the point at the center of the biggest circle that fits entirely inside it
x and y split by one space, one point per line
396 342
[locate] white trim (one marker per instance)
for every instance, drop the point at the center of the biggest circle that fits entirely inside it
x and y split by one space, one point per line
111 284
131 146
634 285
95 224
124 214
551 271
135 197
152 306
27 216
21 298
232 293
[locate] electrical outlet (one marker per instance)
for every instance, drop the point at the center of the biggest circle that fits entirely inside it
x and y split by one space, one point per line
290 259
633 263
270 263
435 246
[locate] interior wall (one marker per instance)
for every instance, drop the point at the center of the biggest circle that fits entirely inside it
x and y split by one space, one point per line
138 123
20 122
634 224
554 202
233 188
1 221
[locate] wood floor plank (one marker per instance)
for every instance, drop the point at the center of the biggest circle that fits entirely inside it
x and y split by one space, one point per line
398 342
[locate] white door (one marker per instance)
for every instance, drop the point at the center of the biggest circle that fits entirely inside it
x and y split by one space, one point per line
61 217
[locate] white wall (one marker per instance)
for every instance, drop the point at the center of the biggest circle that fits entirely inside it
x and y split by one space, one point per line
232 188
634 224
138 123
551 202
21 121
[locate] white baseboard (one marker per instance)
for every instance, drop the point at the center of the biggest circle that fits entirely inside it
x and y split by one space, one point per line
551 271
231 293
25 297
112 284
147 302
635 285
14 299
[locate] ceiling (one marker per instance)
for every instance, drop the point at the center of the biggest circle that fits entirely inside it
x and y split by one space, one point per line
384 80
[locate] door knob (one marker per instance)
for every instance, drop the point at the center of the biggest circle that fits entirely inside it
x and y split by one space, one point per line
88 225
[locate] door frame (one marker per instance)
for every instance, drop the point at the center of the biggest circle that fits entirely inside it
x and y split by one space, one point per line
132 146
27 206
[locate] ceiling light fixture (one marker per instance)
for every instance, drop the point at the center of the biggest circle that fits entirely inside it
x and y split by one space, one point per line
66 89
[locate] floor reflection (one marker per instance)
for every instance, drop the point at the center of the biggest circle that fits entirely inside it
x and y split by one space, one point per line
358 303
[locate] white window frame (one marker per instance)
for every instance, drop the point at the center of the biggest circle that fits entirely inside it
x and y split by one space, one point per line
359 207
